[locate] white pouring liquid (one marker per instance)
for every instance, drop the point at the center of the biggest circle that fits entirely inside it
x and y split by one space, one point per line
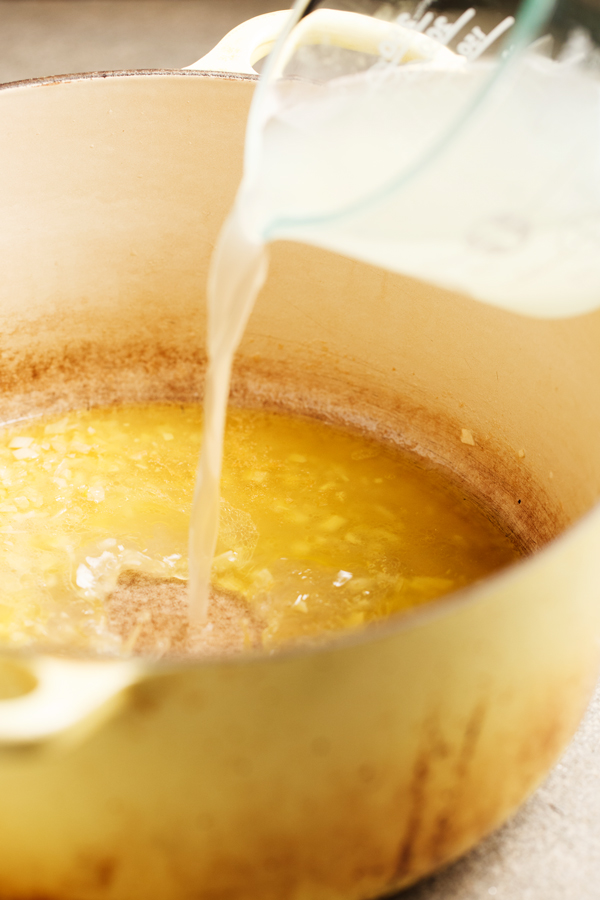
508 213
238 270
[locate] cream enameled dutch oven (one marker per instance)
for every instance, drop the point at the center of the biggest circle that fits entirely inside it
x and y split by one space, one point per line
341 772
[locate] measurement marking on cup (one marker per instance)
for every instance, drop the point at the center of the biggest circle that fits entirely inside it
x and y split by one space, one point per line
476 42
443 31
406 20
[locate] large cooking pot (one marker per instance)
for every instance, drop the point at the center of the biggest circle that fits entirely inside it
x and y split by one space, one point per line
351 769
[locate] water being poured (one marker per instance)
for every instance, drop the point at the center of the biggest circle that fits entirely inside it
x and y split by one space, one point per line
238 270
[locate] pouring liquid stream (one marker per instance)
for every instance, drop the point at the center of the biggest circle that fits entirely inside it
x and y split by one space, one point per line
238 270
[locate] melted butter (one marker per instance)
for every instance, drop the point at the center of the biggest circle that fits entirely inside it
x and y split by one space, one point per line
321 529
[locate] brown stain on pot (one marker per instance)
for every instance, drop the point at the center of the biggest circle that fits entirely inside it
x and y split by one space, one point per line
417 794
39 378
91 874
442 834
435 837
97 873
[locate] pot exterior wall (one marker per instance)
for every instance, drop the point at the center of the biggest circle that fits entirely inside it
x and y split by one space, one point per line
339 774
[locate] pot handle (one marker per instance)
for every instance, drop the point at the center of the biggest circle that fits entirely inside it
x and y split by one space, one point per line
51 698
244 46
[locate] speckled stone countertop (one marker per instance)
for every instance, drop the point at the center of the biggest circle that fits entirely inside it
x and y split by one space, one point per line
551 849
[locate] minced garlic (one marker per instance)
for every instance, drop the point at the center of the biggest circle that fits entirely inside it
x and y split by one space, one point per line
321 529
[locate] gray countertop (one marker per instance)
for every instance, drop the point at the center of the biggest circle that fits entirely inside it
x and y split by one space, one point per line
551 849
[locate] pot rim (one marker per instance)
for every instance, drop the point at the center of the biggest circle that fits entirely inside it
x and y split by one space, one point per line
125 73
338 641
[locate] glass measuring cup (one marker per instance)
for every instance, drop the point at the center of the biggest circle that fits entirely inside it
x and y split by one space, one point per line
407 136
458 144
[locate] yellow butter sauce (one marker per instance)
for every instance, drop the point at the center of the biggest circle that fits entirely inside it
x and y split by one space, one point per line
322 529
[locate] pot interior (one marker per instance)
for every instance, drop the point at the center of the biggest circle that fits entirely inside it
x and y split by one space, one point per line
113 191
